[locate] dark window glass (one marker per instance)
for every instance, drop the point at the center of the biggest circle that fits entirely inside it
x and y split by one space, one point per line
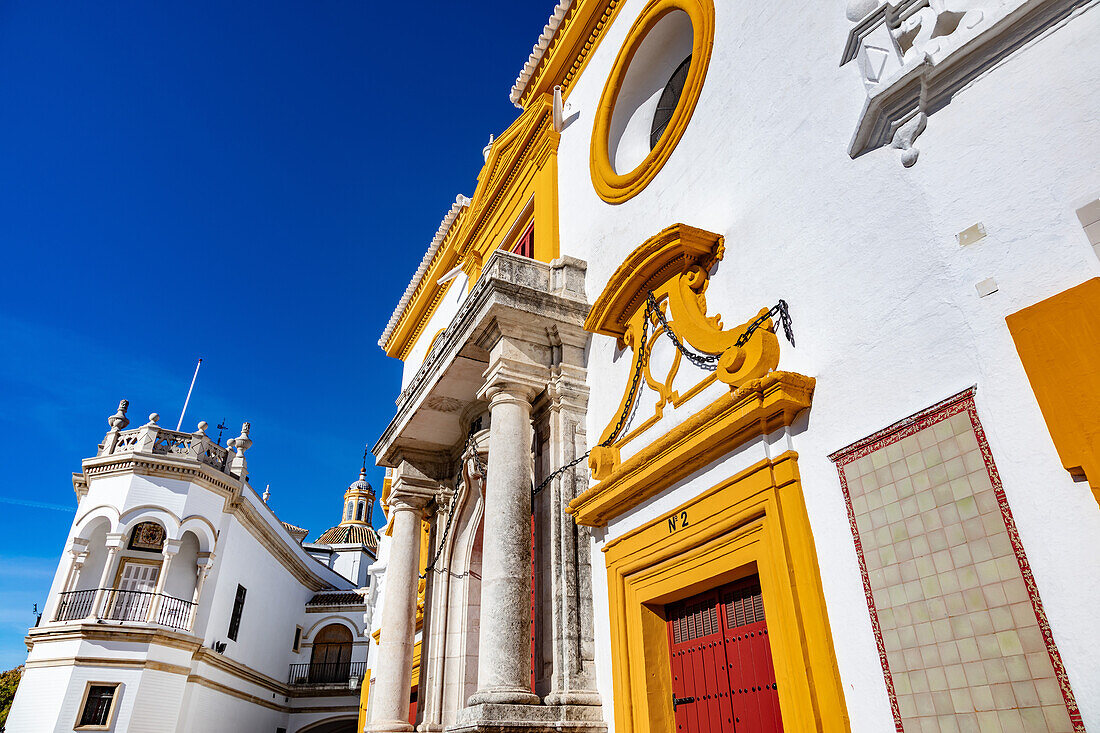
359 512
666 105
297 639
97 708
238 607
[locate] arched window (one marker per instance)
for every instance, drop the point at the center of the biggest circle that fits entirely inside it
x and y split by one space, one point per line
347 510
666 105
359 511
330 660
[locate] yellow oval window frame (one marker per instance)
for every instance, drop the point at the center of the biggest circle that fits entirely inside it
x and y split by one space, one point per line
616 188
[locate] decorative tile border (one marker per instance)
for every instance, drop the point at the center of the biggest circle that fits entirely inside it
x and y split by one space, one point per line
961 402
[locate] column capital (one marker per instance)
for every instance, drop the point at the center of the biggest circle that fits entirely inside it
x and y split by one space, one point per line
513 380
171 547
78 546
411 489
114 541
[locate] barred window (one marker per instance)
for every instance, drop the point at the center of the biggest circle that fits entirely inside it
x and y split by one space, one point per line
99 703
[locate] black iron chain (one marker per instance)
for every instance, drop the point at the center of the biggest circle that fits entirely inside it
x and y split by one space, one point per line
451 516
708 362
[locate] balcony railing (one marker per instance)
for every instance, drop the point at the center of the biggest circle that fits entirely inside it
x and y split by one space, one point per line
126 606
326 673
152 438
75 604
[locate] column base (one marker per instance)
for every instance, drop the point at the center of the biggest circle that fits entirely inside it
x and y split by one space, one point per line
388 726
504 718
504 696
574 697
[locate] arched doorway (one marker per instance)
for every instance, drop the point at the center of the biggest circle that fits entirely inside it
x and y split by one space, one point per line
330 660
333 725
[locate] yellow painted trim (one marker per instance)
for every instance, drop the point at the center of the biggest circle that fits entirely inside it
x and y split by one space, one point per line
387 487
416 665
1058 341
577 37
675 265
612 186
522 164
364 702
753 522
756 409
422 584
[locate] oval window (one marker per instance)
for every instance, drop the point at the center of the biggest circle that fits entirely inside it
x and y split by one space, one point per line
650 95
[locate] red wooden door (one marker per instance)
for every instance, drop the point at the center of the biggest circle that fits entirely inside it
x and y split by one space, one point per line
722 674
749 659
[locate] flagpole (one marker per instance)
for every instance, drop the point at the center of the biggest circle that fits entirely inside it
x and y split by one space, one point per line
184 412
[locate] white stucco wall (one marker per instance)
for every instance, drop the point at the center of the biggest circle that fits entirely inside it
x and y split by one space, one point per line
156 697
885 310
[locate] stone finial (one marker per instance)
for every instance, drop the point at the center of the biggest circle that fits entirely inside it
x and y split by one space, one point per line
485 150
153 418
119 421
242 442
267 493
239 466
203 425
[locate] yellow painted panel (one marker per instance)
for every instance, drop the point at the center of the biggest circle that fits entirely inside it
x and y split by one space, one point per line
1058 340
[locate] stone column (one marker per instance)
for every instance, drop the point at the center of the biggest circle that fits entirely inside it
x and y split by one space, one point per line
113 544
504 656
393 672
171 547
78 548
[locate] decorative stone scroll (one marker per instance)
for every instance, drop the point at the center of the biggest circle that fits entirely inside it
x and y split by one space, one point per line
675 266
915 55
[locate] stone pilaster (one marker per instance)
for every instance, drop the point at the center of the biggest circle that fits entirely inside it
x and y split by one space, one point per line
570 615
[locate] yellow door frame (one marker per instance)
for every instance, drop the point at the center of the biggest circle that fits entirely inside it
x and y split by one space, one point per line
754 522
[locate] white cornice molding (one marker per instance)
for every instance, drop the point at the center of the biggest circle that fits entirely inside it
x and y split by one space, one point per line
539 51
460 203
272 535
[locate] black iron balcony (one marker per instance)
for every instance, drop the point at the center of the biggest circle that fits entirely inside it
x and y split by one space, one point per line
126 606
326 673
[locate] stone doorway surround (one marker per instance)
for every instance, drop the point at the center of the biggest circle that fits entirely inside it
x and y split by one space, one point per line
515 349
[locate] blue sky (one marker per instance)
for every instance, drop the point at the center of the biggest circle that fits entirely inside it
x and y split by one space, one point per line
249 182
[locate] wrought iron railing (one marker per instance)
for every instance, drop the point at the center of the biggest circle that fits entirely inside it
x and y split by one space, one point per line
326 673
174 612
125 605
75 604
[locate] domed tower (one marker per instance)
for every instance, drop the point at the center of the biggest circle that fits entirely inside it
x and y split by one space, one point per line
352 545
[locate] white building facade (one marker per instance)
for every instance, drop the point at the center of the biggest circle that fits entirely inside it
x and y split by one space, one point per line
182 603
890 526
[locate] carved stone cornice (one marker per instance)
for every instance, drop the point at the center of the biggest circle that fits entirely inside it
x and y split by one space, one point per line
516 298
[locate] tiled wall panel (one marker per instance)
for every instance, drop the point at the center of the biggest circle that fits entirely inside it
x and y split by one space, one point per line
960 626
